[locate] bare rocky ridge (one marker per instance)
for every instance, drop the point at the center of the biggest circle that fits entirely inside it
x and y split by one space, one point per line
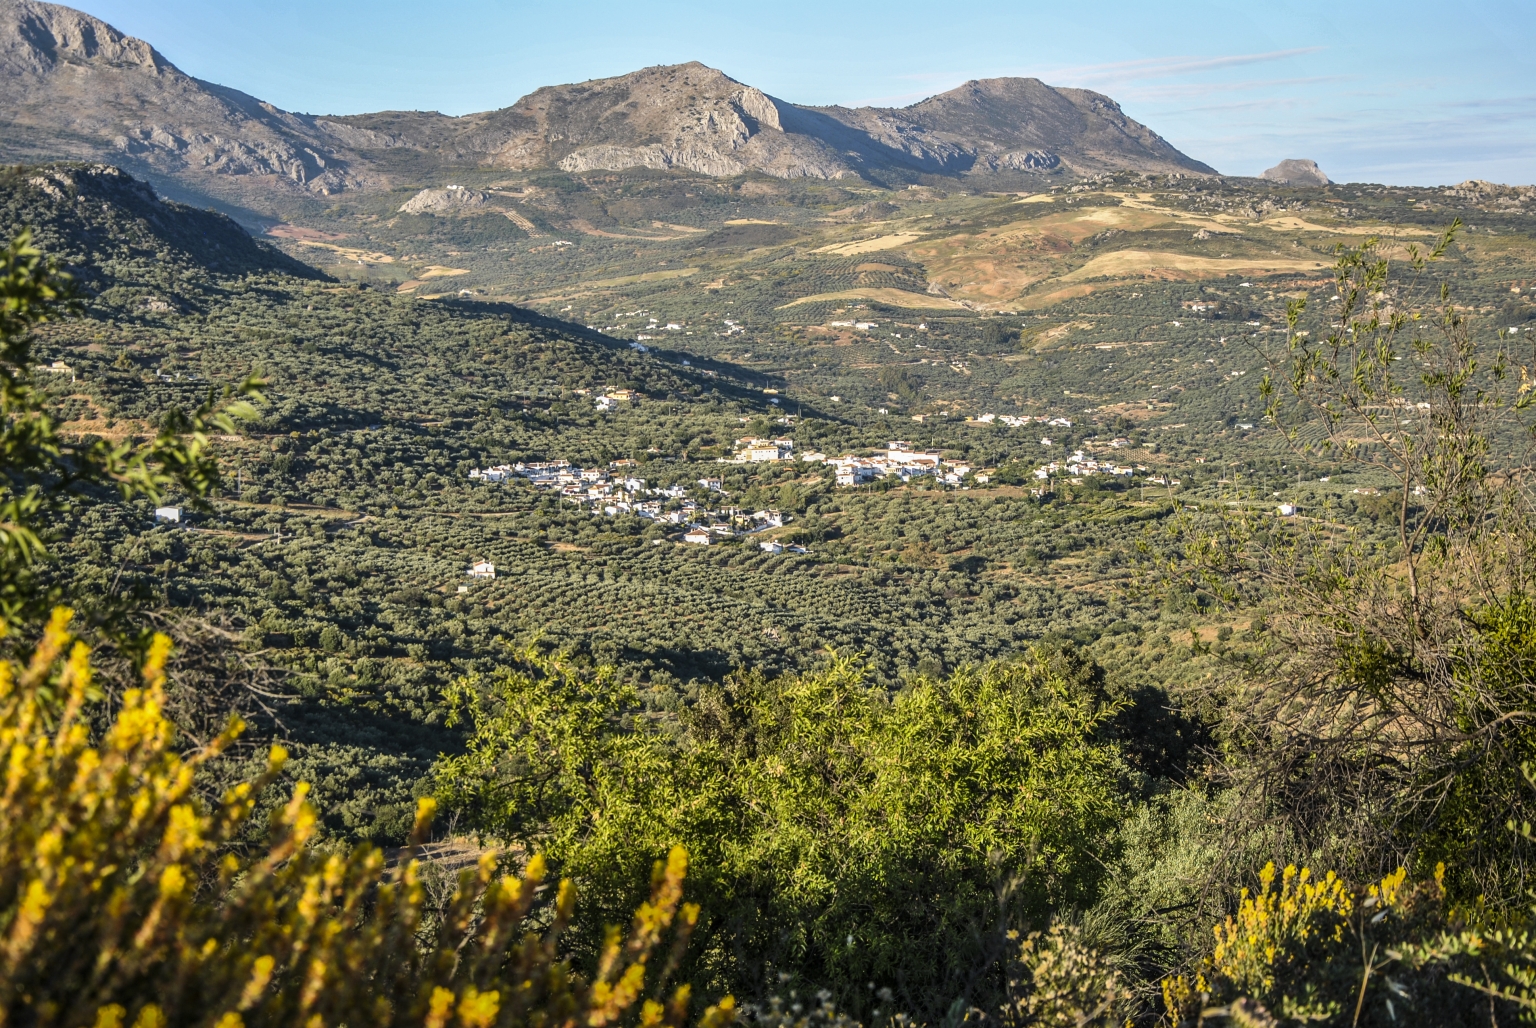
693 117
443 201
73 87
1297 173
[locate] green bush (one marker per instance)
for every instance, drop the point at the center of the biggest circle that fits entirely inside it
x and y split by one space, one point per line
848 840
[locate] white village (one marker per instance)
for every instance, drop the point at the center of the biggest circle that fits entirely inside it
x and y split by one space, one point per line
617 490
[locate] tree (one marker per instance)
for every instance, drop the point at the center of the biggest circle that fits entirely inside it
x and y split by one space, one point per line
1389 720
838 837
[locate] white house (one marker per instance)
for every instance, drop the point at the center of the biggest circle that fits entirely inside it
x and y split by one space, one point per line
756 450
902 453
482 569
1287 510
171 514
771 546
855 474
697 536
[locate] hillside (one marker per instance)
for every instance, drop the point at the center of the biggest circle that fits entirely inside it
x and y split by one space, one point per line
339 545
73 87
194 299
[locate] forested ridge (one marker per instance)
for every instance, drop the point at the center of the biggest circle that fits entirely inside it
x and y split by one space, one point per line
1005 750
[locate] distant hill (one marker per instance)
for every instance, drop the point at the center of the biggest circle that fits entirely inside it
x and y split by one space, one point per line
695 117
73 87
112 232
161 272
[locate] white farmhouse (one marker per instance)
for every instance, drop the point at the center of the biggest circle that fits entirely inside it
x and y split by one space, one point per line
482 569
170 514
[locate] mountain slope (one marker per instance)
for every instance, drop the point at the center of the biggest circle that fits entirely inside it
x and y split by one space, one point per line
73 87
697 118
170 287
112 230
1023 124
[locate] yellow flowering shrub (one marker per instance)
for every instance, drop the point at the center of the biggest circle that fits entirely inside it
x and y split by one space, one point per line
1315 950
123 903
1274 928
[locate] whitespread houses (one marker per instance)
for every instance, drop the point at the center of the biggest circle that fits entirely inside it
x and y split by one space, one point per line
899 460
614 491
1080 466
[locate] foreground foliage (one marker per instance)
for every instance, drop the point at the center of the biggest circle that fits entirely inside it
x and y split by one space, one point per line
837 835
121 901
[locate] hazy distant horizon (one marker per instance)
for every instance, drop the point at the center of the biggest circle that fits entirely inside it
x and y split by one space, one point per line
1382 93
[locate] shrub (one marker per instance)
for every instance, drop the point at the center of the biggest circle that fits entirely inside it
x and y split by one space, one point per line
1315 950
123 901
1060 980
844 838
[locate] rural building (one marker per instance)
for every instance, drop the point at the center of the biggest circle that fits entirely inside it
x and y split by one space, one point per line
482 569
171 514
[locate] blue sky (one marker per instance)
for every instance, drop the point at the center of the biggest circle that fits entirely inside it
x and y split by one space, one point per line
1407 92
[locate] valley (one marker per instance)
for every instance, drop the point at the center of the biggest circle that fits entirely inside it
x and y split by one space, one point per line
977 535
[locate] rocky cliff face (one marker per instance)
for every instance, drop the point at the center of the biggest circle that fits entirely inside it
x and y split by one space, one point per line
71 86
687 116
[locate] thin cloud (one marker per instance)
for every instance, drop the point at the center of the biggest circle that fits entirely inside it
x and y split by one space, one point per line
1182 90
1088 74
1164 67
1511 101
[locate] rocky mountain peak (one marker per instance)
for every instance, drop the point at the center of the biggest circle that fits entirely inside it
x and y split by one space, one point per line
38 37
1296 172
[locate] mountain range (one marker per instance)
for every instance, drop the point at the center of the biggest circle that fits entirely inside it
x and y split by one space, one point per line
72 86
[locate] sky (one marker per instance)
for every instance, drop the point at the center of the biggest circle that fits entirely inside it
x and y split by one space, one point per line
1404 93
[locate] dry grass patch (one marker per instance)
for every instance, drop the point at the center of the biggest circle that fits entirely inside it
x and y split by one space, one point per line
891 297
859 246
1165 265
